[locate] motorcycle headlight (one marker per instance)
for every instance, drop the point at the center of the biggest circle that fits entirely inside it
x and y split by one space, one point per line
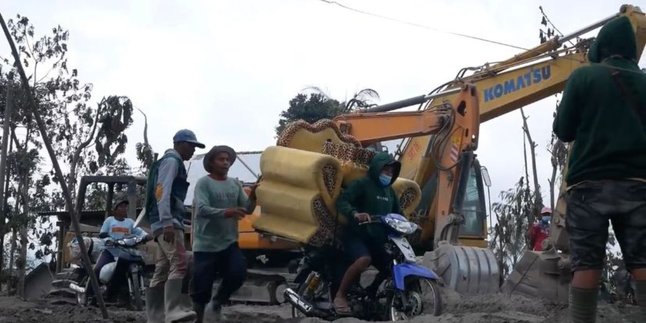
129 242
401 224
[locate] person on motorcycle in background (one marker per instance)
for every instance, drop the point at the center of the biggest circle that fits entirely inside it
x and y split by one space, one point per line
116 227
370 195
540 231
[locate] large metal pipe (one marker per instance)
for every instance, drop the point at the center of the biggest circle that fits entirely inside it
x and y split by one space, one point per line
582 31
410 101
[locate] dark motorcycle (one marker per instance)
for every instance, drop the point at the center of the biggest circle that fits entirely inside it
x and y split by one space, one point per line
401 291
124 276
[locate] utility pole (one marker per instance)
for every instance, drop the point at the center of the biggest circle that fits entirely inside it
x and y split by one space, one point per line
3 162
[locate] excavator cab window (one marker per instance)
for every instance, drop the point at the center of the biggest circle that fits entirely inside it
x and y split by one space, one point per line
474 210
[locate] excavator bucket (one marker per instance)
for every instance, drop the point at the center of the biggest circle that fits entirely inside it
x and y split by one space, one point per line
540 274
38 282
467 270
545 274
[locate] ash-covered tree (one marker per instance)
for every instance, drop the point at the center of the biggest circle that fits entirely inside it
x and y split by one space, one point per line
309 108
86 136
145 152
508 234
319 105
558 157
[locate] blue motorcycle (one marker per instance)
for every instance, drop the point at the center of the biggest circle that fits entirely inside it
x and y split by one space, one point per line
401 290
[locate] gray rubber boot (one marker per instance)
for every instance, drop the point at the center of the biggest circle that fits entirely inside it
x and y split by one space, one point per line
213 312
177 307
155 304
199 311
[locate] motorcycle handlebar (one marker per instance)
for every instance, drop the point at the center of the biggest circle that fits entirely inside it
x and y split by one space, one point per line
122 242
372 219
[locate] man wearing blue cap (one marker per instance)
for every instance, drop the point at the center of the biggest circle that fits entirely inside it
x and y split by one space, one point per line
166 189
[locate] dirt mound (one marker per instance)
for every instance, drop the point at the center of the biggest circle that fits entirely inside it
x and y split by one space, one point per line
18 311
495 308
501 308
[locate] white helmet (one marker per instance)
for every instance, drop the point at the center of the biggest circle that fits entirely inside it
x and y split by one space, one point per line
107 271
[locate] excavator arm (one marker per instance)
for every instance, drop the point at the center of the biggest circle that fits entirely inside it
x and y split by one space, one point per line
373 127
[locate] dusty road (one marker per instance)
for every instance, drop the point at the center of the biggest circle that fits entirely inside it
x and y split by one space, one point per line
491 308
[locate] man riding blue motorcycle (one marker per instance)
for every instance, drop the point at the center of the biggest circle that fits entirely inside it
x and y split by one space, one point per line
370 195
328 286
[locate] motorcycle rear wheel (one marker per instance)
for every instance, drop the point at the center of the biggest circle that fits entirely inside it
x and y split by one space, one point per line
320 292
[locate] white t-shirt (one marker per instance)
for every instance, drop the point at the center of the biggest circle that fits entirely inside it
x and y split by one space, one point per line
120 229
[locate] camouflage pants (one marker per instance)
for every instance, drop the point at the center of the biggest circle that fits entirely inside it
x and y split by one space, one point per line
590 206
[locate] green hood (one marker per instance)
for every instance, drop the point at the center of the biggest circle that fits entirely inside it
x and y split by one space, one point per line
377 164
615 38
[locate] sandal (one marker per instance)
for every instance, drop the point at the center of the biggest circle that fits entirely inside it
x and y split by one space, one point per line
342 310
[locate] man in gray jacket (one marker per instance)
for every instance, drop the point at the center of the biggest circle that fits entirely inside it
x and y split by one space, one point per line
166 189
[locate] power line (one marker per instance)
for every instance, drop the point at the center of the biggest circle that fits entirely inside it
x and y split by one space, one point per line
420 25
547 19
333 2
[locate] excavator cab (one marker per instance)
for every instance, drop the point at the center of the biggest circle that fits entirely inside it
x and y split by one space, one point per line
473 232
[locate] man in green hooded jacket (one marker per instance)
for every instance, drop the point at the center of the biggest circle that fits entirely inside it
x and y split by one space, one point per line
603 111
370 195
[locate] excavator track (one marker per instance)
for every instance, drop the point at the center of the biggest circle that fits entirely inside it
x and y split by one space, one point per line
262 287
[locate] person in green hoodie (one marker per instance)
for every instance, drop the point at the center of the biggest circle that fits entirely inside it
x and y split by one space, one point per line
603 110
370 195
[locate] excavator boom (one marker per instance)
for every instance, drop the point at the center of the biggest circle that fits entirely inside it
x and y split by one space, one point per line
372 127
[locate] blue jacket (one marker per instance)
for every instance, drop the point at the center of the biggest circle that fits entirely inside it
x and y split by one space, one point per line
165 192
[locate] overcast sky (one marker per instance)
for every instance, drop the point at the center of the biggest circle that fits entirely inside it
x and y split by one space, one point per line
226 69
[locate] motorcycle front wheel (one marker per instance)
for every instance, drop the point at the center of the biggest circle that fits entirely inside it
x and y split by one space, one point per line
136 290
423 297
81 298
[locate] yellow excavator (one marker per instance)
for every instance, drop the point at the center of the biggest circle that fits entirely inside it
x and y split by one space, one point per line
441 183
438 157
